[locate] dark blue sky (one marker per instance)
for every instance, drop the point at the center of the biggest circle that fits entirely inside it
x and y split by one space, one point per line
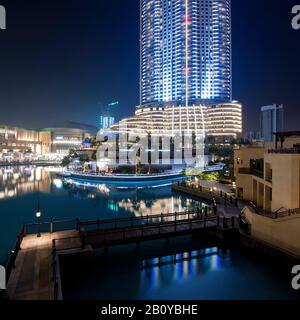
62 59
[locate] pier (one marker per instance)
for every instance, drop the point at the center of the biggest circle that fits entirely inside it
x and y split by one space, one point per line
33 268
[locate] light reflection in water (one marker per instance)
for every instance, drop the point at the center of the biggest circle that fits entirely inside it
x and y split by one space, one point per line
180 267
20 180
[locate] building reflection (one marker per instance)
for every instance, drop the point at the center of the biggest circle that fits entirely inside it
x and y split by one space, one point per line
158 206
136 201
16 181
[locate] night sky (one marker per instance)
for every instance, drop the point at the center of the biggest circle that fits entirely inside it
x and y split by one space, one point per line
63 59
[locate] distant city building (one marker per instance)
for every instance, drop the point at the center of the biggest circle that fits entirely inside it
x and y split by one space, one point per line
15 140
271 121
65 139
106 121
252 136
185 52
18 144
108 115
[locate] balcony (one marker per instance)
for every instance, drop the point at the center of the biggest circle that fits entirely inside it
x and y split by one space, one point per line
254 172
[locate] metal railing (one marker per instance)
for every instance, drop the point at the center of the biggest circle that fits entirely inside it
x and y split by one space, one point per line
275 215
143 220
13 254
213 193
50 226
285 151
255 172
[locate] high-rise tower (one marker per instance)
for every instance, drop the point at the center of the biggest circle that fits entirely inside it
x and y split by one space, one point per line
185 52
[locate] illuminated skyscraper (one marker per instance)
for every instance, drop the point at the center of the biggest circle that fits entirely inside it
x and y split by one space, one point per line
107 117
185 52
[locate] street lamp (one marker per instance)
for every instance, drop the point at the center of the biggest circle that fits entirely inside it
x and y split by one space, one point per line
38 216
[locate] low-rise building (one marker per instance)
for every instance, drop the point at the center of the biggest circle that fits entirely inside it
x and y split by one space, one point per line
268 176
18 144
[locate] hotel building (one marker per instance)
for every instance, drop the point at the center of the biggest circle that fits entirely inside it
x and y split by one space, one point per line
185 52
219 121
186 70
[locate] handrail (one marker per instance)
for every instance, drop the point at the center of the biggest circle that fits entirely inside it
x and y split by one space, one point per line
219 194
14 253
274 215
133 219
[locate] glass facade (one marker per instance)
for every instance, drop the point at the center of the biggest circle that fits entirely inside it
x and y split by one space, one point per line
185 51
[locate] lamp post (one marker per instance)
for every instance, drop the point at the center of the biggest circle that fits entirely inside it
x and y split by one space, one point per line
38 216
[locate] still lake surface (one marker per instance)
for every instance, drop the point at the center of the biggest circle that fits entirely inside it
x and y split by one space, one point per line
185 268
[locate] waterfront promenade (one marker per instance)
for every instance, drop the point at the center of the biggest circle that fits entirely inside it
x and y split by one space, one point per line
215 194
32 276
35 273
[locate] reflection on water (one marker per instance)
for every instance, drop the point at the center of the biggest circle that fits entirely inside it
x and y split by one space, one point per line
196 273
65 199
175 268
136 200
17 181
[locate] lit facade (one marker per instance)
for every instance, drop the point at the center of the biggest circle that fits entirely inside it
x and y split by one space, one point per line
106 122
223 120
185 52
13 139
268 177
17 144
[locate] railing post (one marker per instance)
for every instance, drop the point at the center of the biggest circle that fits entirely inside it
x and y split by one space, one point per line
224 222
51 226
77 224
83 242
175 221
232 222
218 221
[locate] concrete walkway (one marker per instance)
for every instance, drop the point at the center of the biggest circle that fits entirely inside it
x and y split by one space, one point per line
32 277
